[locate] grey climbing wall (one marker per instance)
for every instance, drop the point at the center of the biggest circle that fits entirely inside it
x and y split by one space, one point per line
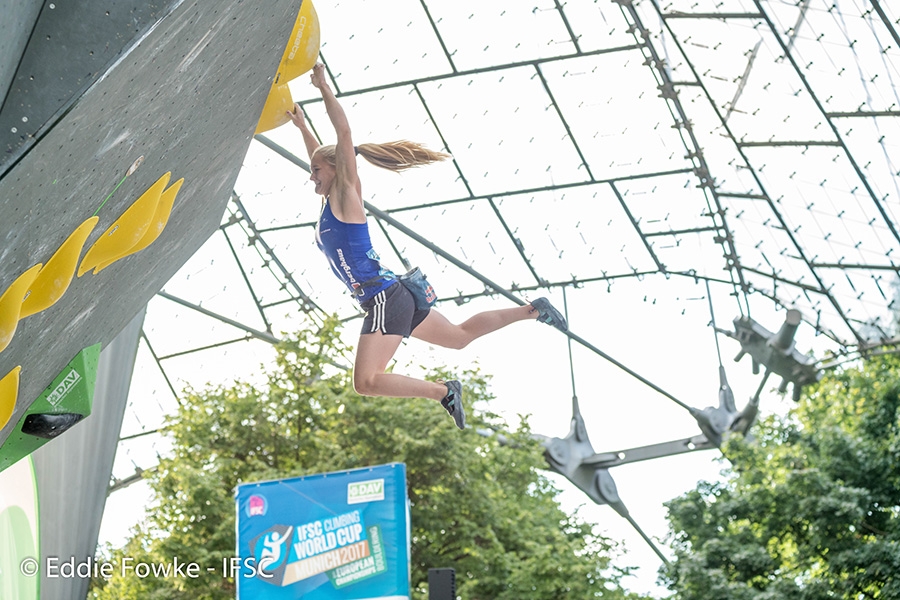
17 19
186 97
70 45
73 472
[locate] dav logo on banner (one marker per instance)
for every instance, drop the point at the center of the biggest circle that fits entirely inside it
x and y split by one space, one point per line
331 536
365 491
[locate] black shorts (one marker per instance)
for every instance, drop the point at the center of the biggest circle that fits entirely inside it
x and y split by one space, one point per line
392 311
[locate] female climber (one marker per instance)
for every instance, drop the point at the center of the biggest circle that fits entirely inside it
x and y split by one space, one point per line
342 235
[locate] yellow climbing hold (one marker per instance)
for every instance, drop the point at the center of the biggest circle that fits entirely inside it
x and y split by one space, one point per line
126 231
278 104
302 49
9 391
11 304
54 278
299 56
160 219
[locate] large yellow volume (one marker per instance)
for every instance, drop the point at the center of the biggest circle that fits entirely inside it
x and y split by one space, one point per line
11 304
126 231
55 276
299 56
278 104
302 49
160 219
9 391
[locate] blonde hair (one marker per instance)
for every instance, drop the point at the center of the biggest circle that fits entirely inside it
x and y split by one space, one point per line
393 156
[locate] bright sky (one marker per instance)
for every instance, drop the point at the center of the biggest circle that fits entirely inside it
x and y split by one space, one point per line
565 145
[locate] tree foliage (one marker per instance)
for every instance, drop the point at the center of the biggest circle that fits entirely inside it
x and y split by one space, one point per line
477 505
810 508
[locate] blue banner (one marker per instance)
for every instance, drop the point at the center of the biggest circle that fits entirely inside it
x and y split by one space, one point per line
333 536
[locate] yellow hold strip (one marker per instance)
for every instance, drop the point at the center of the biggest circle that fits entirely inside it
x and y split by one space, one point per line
160 219
54 278
127 230
11 304
9 392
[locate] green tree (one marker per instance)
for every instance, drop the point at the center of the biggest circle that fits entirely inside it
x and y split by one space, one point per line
479 506
810 509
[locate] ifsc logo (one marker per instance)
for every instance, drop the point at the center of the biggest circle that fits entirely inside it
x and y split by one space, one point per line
257 506
271 550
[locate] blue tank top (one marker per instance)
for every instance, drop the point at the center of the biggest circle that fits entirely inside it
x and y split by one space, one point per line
349 251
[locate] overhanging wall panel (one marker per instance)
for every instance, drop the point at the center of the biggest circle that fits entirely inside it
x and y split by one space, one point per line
73 472
70 46
16 24
187 98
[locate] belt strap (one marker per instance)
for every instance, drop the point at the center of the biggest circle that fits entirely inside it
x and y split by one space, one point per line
377 280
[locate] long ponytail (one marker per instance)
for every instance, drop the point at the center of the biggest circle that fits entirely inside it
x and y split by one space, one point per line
393 156
399 155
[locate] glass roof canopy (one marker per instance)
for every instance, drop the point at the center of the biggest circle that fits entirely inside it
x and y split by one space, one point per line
752 145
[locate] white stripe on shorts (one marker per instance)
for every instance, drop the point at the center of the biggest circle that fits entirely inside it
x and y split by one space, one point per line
378 314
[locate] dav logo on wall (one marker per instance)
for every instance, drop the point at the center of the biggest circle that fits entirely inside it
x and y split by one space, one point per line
62 390
332 536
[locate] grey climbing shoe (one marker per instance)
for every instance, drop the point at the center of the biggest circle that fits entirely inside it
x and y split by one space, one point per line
549 315
453 403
